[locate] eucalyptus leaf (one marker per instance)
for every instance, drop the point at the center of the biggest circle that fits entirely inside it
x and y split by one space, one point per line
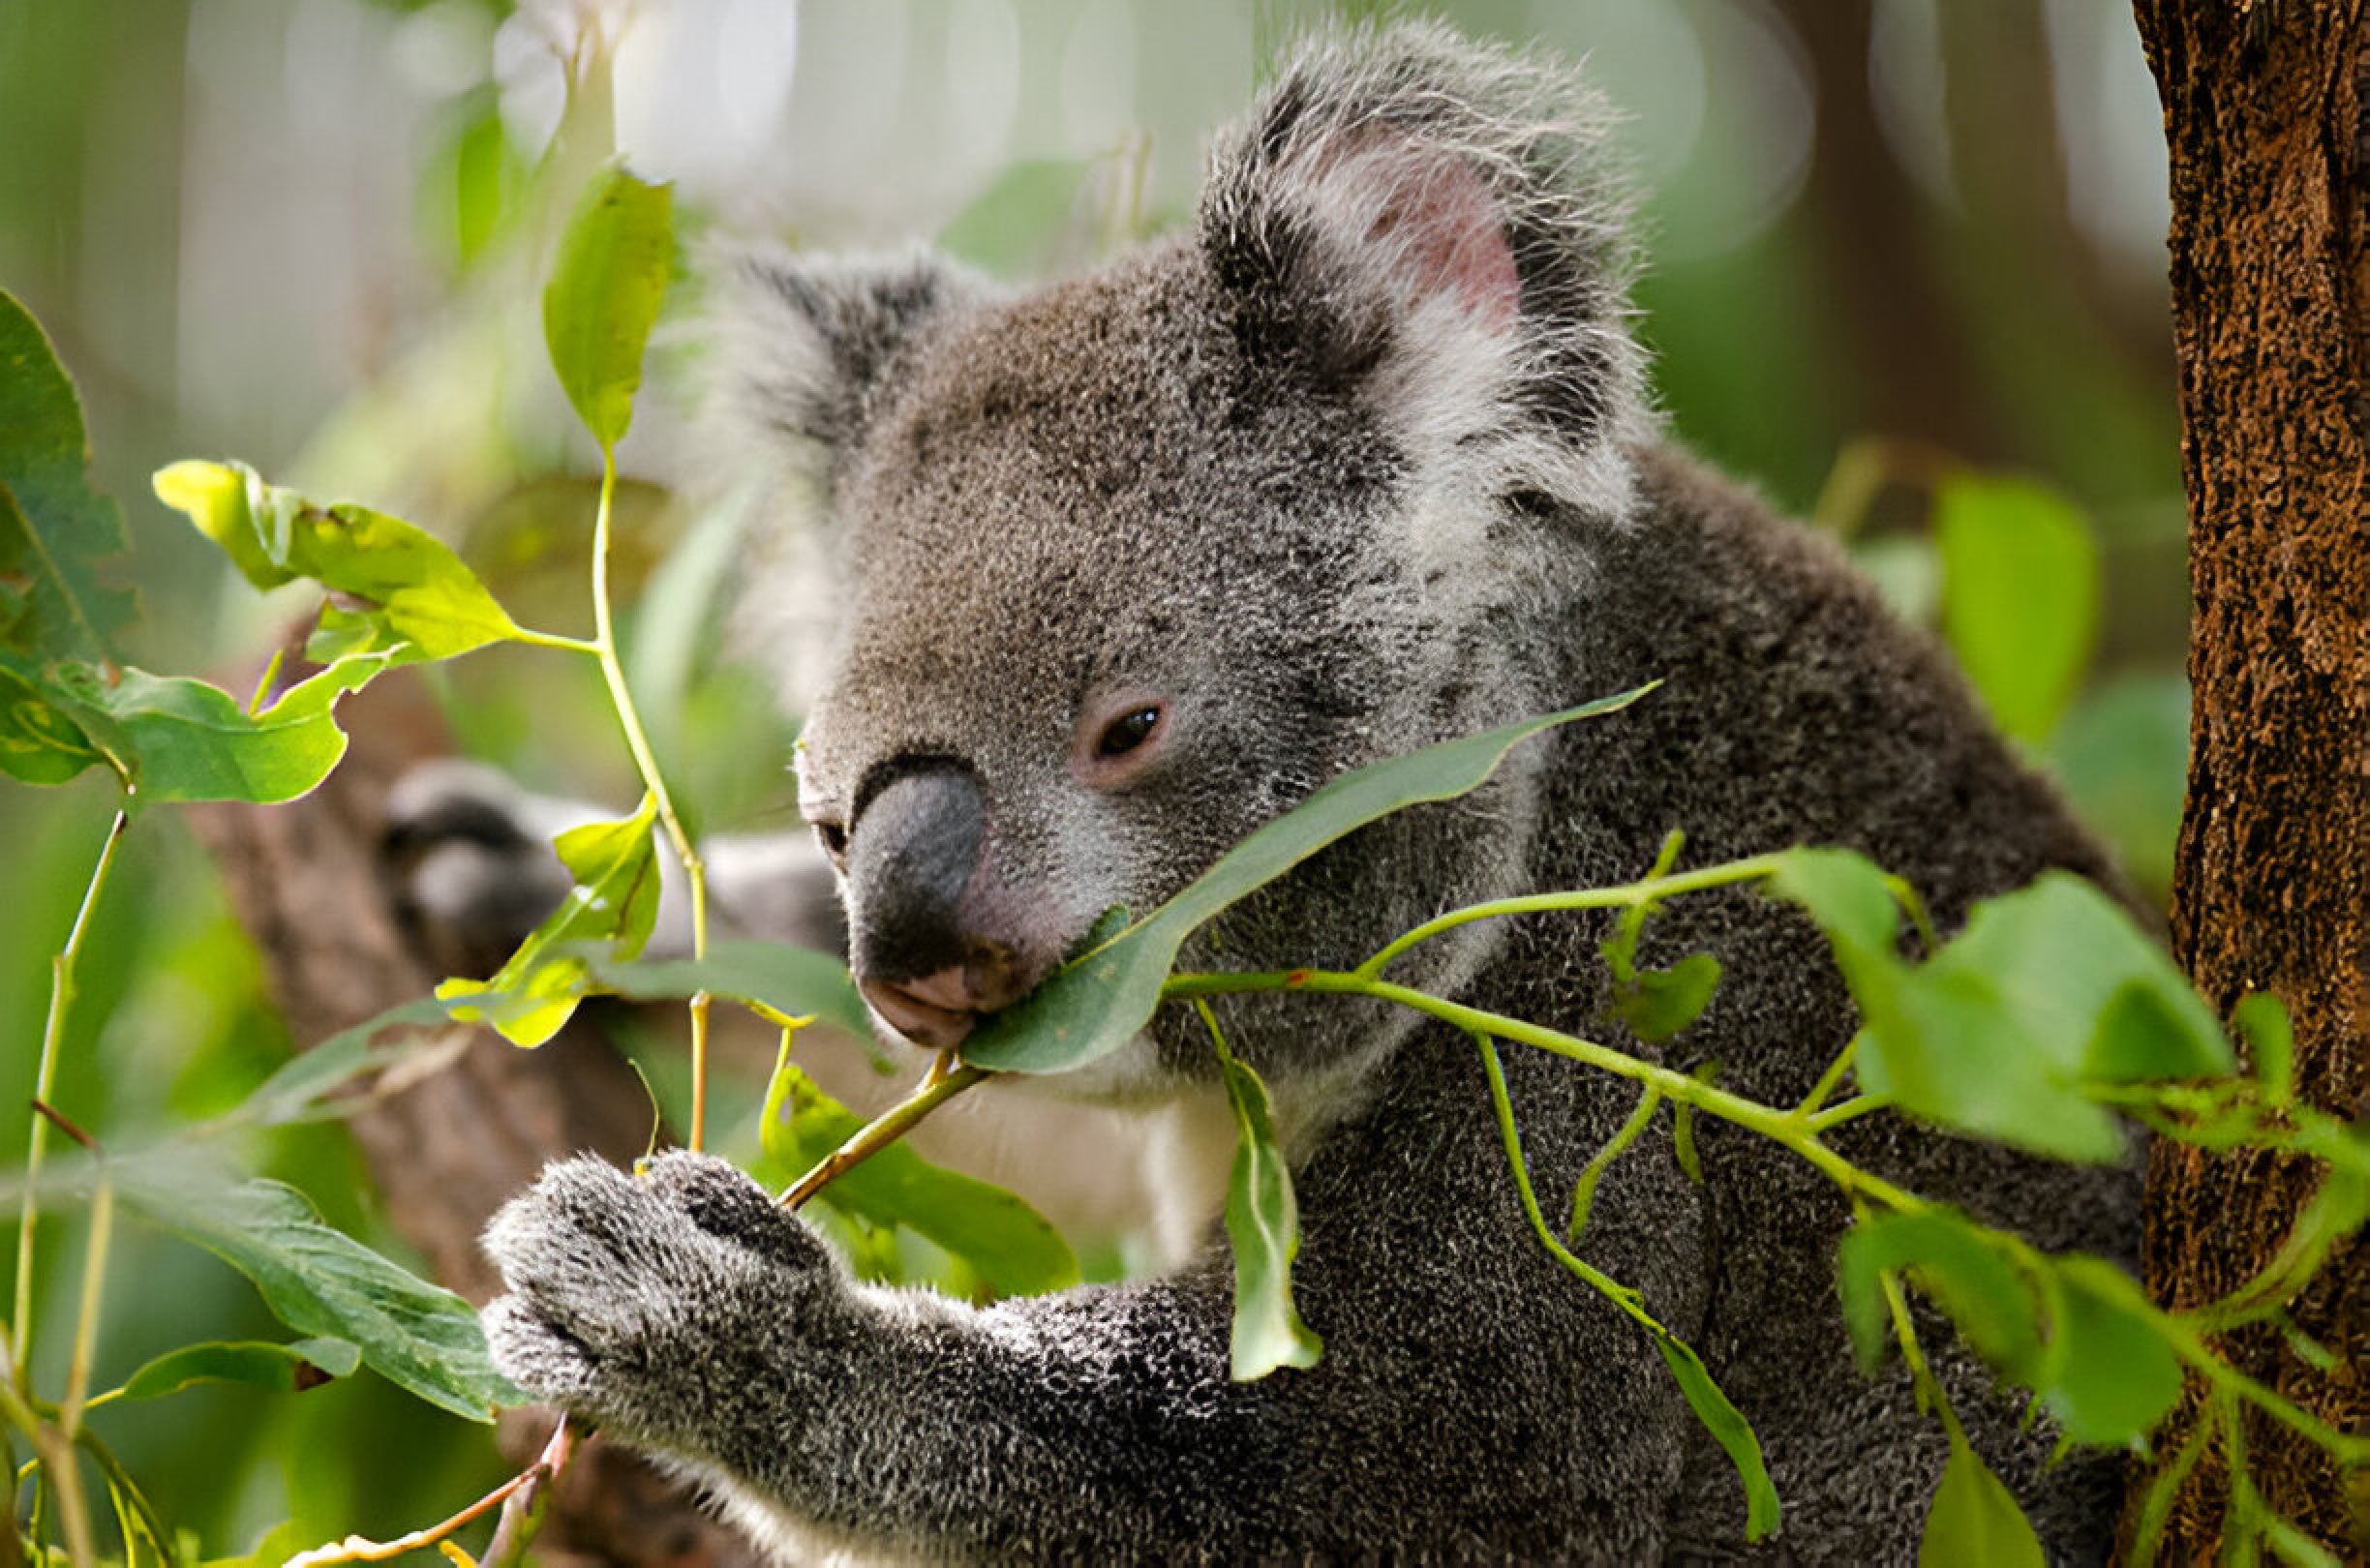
1263 1222
1729 1428
321 1281
798 981
1975 1520
604 296
2019 596
2110 1375
1955 1263
611 907
397 589
1097 1002
2262 1020
1008 1244
285 1368
53 526
187 740
1657 1002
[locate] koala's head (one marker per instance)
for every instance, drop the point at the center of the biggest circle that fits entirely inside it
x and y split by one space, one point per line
1132 564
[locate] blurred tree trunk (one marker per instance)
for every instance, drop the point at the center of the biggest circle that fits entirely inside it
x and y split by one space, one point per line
2270 269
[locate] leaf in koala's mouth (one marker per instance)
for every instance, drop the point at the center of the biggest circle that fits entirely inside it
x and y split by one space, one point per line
1103 997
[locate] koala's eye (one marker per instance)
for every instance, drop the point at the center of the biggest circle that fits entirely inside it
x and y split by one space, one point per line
1130 729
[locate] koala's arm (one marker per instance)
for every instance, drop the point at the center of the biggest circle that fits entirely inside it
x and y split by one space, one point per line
684 1310
686 1314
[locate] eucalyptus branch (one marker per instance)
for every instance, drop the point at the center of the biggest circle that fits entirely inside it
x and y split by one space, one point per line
54 1032
1647 891
883 1131
604 646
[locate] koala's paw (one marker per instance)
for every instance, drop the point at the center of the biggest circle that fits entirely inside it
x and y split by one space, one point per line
467 862
646 1303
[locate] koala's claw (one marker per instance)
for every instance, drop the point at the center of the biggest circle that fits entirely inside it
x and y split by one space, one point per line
726 1204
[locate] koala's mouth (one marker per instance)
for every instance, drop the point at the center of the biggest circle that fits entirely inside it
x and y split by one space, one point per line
940 1009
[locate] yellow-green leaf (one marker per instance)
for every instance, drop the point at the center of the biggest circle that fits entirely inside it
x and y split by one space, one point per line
609 912
604 296
1263 1222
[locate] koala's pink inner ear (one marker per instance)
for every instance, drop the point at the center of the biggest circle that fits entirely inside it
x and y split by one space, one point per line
1432 219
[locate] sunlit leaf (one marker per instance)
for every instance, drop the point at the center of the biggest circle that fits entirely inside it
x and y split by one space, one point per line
612 907
2122 757
188 740
1263 1222
1096 1003
1976 1519
285 1368
999 1237
321 1281
604 296
397 589
53 528
2019 596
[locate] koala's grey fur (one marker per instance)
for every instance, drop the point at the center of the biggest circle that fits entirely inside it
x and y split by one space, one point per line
1361 463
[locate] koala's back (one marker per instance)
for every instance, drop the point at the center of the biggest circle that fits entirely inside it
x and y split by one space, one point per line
1793 710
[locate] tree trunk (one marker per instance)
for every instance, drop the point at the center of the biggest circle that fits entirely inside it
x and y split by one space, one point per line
2270 270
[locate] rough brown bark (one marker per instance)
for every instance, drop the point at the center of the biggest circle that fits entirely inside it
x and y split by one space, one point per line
2270 158
448 1146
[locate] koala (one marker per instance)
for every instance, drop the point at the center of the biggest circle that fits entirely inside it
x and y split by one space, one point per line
1132 564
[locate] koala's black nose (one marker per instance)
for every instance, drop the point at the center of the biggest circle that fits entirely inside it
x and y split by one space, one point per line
920 950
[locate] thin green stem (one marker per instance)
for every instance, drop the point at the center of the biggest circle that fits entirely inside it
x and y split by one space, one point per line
881 1131
1829 1079
61 997
1584 1190
2157 1507
637 740
87 1321
1646 889
120 1480
1781 1127
1613 1291
553 639
1851 1109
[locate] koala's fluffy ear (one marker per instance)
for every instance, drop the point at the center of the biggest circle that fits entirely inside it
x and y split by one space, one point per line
1429 226
806 344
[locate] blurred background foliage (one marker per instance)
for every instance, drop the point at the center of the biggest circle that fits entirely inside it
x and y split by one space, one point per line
1906 275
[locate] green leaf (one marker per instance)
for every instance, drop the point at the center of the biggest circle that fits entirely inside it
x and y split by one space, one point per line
1097 1002
2019 596
398 590
2122 756
302 1089
1848 898
1263 1222
53 526
1017 226
1006 1243
1659 1002
1728 1427
320 1282
2108 1376
1958 1265
2049 989
187 740
285 1368
1975 1520
604 296
798 981
2262 1020
611 909
39 743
